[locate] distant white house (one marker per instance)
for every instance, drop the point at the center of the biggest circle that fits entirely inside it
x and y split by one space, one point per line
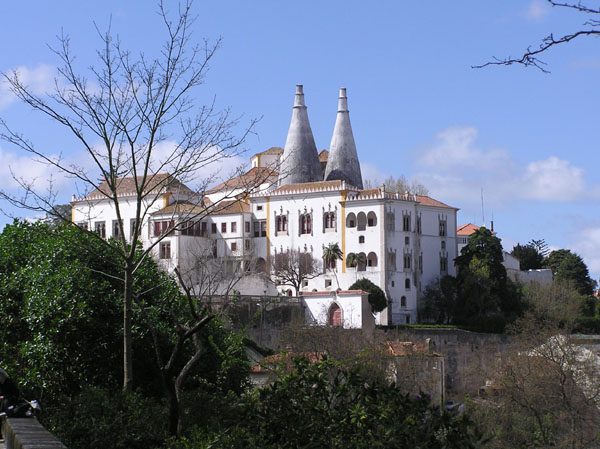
348 309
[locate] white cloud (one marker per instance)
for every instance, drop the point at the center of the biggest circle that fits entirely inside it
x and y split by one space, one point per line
455 169
537 10
587 245
39 80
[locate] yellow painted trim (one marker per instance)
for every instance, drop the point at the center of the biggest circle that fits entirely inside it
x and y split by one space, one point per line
343 217
268 265
258 161
165 200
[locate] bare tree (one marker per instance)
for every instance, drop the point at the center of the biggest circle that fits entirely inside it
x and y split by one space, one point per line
208 292
398 185
293 267
531 56
121 118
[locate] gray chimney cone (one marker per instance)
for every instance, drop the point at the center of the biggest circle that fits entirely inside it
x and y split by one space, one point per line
300 160
342 162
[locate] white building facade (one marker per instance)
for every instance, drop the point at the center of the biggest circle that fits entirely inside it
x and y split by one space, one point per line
404 241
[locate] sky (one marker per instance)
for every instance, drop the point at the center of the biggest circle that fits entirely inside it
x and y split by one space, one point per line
525 139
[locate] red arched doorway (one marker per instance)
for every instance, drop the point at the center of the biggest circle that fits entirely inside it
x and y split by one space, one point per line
335 315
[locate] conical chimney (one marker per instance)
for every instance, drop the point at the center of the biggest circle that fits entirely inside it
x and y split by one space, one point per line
343 162
300 160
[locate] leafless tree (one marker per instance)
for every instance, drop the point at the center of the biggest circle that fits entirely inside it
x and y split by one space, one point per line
398 185
121 117
531 56
293 267
208 292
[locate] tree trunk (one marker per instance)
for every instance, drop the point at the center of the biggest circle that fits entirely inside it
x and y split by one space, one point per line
173 402
127 346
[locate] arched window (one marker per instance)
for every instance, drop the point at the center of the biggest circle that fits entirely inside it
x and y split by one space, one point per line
261 265
290 292
371 219
372 259
329 220
407 283
362 262
362 221
335 315
403 301
351 220
305 224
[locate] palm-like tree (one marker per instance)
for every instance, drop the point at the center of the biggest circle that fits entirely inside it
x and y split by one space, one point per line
331 253
354 259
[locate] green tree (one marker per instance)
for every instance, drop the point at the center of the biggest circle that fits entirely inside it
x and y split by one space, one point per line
377 297
529 257
486 297
331 254
324 404
438 302
570 267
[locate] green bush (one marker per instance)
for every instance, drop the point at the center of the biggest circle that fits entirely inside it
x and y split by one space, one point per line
99 419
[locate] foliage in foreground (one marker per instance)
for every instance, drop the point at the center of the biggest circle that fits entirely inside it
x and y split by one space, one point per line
324 404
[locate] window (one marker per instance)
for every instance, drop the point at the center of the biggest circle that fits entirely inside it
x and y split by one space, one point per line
393 284
361 219
83 225
132 227
165 250
116 229
223 228
191 228
372 260
213 228
233 226
392 260
371 219
419 224
351 220
407 261
407 240
247 244
233 247
407 319
305 224
403 301
327 283
260 228
247 226
391 221
100 228
203 228
442 227
281 223
443 264
406 222
162 226
361 239
443 244
258 207
304 283
407 284
421 263
329 220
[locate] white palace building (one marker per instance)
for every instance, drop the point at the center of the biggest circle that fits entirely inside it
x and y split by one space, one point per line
305 201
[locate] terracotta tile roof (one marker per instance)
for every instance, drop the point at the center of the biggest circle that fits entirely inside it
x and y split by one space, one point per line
340 292
428 201
404 348
267 363
323 156
468 229
252 178
157 183
219 208
273 150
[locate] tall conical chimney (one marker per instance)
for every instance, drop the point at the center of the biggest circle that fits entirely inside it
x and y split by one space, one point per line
300 160
343 160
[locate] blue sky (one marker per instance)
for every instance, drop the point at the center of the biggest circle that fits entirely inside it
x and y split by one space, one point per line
528 139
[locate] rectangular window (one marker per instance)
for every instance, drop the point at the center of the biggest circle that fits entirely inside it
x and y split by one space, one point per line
100 228
83 225
361 239
223 228
327 283
442 228
407 240
203 228
165 250
247 225
233 226
263 228
132 227
257 229
116 233
443 264
213 228
161 227
258 207
406 223
247 244
421 263
233 247
304 283
418 225
407 261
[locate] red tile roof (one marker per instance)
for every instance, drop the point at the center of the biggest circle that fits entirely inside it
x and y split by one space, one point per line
339 292
157 183
218 208
428 201
310 186
273 150
249 180
468 229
